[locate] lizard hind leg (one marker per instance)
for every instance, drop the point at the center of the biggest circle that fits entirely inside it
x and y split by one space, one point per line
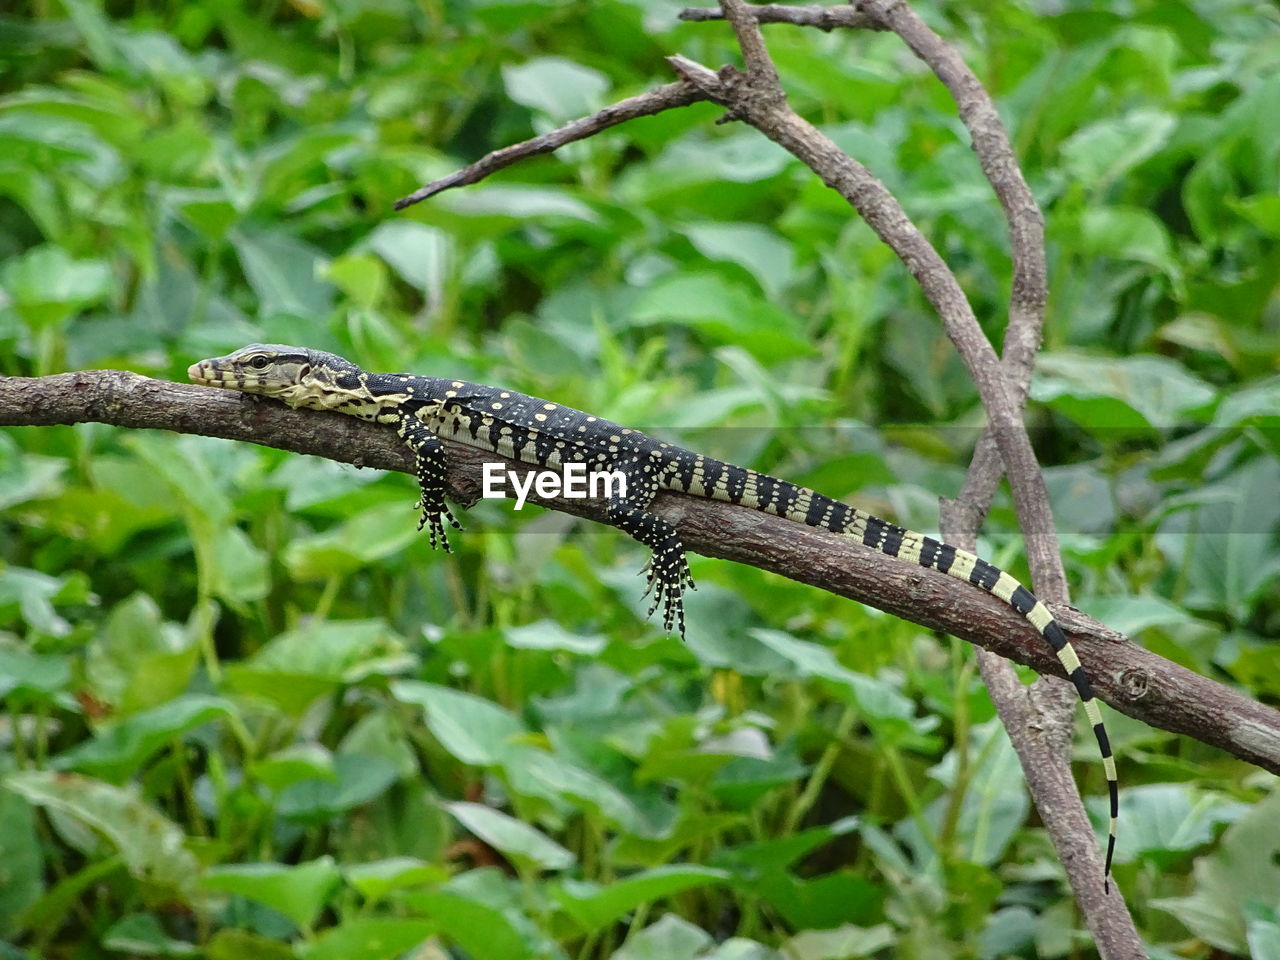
429 466
668 568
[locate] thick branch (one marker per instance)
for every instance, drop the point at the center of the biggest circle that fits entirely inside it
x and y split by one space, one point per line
766 109
824 18
880 209
995 156
1133 680
1026 224
643 105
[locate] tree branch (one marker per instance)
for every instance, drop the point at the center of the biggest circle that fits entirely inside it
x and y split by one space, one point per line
1133 680
666 97
999 165
767 110
824 18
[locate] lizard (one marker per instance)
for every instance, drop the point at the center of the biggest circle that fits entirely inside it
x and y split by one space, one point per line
423 410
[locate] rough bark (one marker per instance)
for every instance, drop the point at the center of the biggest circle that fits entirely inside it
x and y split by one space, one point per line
1129 678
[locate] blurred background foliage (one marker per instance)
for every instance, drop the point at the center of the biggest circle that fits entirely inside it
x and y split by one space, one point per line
248 713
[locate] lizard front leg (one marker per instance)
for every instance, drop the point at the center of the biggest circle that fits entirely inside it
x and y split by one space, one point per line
668 568
429 460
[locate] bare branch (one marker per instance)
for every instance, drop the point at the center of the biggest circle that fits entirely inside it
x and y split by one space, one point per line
690 71
824 18
761 72
666 97
757 98
1130 678
882 212
1052 788
669 96
990 140
996 157
1026 226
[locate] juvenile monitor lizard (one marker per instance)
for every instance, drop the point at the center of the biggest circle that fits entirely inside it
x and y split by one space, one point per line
537 431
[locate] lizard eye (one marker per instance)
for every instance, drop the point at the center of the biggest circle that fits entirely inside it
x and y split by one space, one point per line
259 363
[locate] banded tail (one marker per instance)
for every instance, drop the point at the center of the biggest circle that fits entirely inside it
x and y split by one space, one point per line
722 481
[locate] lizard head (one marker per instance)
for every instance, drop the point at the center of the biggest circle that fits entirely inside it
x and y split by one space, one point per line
267 369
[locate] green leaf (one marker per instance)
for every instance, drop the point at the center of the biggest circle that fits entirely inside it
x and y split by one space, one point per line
484 931
207 210
28 476
364 538
1112 396
377 879
370 938
296 667
1133 614
840 943
994 804
140 934
1008 932
33 675
422 255
229 565
299 892
1262 211
594 906
1221 534
283 271
47 286
671 938
741 157
151 846
357 779
138 660
230 944
1264 939
472 729
1108 148
874 697
520 842
1171 817
122 748
1244 869
724 313
515 203
761 252
560 88
535 772
1129 233
21 860
31 595
774 856
302 761
51 910
1203 189
549 635
361 276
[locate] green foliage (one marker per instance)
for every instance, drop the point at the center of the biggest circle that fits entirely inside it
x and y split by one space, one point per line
248 713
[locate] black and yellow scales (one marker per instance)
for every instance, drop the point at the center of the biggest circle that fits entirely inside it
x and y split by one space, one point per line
536 431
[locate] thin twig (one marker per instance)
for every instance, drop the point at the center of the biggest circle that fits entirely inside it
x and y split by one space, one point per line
666 97
1130 678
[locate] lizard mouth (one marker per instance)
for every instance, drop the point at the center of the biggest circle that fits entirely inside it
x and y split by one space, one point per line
205 374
